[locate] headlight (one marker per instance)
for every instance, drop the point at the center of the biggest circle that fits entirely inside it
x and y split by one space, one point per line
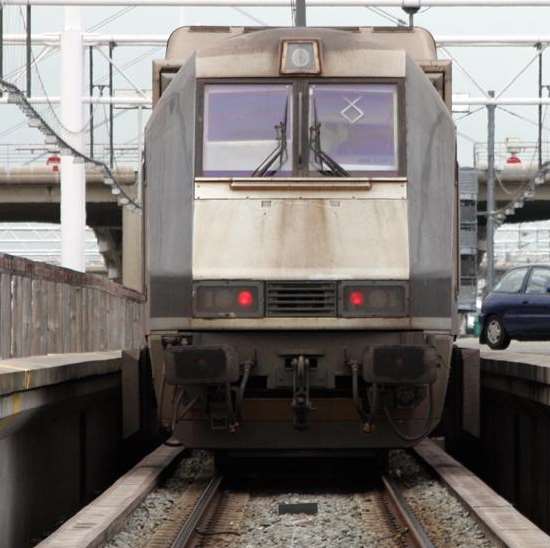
228 300
363 299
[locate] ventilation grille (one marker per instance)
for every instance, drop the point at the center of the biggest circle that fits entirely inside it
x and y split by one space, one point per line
301 299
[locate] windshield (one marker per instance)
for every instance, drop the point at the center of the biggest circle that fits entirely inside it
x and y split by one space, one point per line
247 130
512 281
355 125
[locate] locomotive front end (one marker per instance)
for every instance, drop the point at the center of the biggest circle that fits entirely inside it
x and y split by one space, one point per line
301 238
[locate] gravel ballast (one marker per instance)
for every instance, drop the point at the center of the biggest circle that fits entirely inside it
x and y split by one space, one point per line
139 527
346 517
443 516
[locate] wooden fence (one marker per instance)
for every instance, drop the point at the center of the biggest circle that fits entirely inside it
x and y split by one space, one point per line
46 309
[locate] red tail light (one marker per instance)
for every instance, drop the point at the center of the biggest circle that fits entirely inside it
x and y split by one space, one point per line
231 299
245 298
356 298
363 299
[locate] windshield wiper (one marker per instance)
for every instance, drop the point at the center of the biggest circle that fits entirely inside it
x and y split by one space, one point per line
320 156
279 153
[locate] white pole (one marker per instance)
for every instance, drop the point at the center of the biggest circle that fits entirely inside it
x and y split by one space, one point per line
73 176
145 102
130 40
139 196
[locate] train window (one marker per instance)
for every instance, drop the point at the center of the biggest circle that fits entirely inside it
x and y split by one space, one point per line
247 130
353 128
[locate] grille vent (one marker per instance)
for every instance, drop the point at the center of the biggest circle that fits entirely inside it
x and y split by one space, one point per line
301 299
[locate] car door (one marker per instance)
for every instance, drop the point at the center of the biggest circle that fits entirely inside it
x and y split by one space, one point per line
536 302
508 298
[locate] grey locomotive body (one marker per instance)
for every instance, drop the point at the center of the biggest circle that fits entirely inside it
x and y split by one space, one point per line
301 237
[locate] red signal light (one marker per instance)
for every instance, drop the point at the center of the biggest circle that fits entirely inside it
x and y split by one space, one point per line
356 298
513 159
245 298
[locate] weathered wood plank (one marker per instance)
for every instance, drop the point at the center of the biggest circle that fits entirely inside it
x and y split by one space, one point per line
48 309
5 315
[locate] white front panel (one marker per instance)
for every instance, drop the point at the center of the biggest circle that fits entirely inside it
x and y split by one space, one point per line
297 239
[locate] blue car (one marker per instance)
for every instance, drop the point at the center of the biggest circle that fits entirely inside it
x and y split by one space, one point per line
517 308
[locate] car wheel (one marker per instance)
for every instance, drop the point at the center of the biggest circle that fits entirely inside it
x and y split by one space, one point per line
495 334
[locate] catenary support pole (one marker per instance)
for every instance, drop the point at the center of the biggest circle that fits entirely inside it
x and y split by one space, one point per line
540 50
111 109
301 20
91 88
29 50
73 177
1 41
490 194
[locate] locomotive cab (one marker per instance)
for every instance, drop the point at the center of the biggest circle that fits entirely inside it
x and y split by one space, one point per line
301 237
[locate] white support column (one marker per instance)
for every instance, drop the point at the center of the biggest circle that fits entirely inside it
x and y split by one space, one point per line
73 175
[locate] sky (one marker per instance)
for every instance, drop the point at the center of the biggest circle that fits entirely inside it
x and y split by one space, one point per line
486 68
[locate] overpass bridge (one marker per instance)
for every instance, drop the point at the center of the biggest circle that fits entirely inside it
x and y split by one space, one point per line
520 198
30 192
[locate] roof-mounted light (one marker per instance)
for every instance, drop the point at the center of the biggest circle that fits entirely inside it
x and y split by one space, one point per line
300 57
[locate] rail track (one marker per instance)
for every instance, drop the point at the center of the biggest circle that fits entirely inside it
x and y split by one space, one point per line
208 516
198 508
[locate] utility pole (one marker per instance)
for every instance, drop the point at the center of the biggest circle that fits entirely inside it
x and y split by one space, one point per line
111 109
490 194
73 175
300 19
540 50
29 50
91 107
1 41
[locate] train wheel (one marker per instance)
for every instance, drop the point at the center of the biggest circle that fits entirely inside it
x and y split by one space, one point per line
495 334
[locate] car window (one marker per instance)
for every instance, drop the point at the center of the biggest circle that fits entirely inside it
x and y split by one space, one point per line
539 281
512 281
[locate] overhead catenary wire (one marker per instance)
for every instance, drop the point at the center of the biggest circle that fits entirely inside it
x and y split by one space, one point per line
110 19
518 75
388 16
284 3
465 72
17 96
530 184
468 114
252 17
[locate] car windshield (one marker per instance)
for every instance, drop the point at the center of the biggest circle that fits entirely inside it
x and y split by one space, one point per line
355 126
512 281
247 130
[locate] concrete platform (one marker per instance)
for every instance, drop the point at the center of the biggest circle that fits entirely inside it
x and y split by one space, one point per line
20 374
535 348
105 516
63 420
513 444
523 369
494 513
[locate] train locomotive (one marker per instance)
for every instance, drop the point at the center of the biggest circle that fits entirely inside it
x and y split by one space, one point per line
301 237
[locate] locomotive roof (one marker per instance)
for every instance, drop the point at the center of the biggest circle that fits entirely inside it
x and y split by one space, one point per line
418 43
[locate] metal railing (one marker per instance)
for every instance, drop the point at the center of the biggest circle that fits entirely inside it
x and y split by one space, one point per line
42 242
512 154
37 155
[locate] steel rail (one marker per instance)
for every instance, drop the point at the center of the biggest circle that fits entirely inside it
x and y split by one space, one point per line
415 530
201 506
